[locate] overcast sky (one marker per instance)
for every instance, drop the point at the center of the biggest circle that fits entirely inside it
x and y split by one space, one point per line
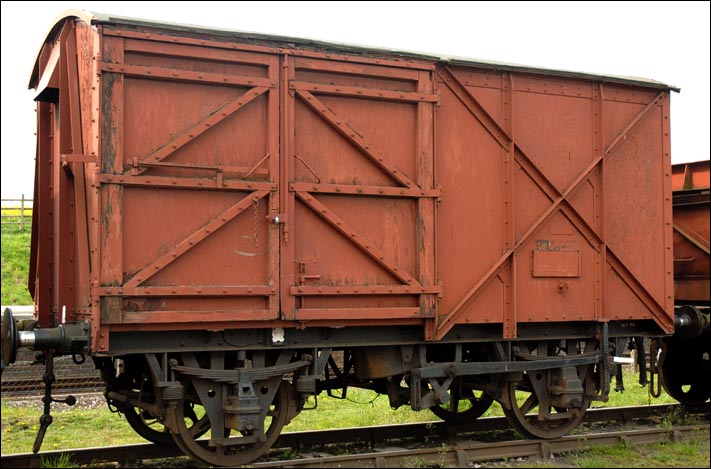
665 41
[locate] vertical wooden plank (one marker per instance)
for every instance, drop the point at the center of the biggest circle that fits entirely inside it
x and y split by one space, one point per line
58 273
32 274
668 215
81 268
288 302
600 311
94 200
425 240
431 324
43 213
510 319
63 192
87 51
85 44
273 135
111 211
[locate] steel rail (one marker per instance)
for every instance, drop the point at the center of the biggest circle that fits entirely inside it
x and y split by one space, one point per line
462 454
130 454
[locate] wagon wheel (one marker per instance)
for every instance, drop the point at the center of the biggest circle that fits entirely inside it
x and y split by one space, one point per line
151 427
148 426
684 372
145 423
139 387
464 406
528 418
193 421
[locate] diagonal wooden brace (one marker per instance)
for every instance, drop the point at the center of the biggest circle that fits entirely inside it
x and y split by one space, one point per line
591 235
212 119
474 107
638 289
691 235
355 238
189 242
355 139
558 198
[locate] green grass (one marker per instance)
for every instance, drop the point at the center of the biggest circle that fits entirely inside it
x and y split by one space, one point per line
73 428
361 408
63 460
15 264
693 452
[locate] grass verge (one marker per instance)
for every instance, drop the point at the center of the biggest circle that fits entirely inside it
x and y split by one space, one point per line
74 428
15 264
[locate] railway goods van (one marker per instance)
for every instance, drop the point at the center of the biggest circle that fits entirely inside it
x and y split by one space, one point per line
227 223
684 363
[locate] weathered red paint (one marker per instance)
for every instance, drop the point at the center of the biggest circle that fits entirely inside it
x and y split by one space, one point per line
222 181
691 176
692 204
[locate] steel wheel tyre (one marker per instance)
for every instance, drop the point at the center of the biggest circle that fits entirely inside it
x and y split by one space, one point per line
525 411
684 372
188 438
148 426
463 406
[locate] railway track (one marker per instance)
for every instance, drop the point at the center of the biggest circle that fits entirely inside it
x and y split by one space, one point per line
464 442
466 452
34 387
